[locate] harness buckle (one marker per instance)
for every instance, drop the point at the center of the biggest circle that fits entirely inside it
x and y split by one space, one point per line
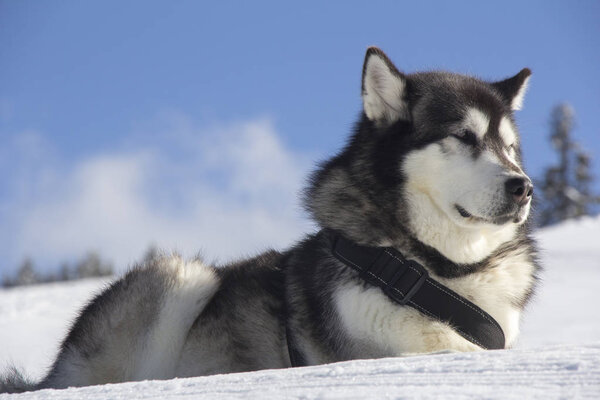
422 276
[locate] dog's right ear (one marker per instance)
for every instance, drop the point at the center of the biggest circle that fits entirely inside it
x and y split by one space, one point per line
383 89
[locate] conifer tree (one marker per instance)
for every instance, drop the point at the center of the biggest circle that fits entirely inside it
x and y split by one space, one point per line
566 187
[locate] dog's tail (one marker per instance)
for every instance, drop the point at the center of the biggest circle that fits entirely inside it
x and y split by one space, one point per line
133 330
13 381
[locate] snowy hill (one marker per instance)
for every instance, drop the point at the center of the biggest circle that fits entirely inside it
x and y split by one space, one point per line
557 356
562 311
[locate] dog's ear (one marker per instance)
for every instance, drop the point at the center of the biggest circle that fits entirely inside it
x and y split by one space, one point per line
513 89
383 89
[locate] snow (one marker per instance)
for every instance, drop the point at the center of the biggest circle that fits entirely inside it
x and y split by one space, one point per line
560 372
33 321
557 356
563 310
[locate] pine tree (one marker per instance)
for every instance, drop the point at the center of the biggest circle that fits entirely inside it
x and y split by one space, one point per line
66 273
151 254
566 186
92 265
26 274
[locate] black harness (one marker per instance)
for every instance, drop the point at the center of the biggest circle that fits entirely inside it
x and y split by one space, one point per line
407 283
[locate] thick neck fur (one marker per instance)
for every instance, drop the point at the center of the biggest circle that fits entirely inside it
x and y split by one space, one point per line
365 199
346 195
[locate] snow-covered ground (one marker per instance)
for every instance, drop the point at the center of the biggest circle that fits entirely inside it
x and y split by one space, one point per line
555 372
558 354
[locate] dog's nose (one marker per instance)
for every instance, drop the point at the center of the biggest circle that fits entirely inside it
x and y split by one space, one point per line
520 189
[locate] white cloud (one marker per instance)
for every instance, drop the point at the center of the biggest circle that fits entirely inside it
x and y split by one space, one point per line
227 192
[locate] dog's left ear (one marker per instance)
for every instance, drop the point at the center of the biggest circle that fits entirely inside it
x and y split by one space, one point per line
383 89
513 89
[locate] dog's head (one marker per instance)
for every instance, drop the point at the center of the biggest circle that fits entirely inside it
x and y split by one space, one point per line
447 146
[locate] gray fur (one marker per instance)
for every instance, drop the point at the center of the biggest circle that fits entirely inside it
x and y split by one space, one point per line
13 381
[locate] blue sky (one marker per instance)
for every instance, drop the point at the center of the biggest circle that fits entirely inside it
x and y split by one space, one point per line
106 106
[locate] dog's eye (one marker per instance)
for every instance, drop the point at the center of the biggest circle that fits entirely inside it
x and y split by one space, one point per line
467 137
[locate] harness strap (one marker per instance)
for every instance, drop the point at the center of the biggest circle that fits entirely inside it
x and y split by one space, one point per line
406 282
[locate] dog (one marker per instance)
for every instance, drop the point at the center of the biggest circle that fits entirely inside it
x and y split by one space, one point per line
431 179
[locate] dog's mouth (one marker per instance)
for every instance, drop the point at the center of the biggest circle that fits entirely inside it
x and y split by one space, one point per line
502 219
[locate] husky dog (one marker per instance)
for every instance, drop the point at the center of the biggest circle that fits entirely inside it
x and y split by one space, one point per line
433 171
